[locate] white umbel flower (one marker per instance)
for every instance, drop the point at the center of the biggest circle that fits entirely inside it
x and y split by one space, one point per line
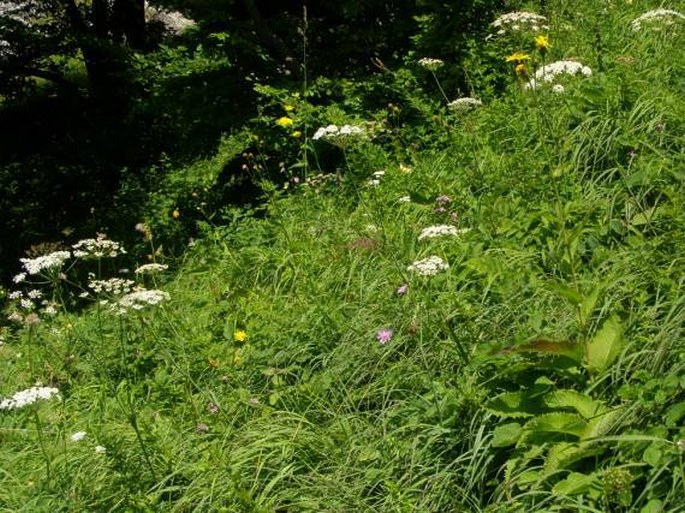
464 104
101 247
518 21
441 230
140 299
430 63
151 268
27 397
38 264
428 266
549 72
664 16
78 436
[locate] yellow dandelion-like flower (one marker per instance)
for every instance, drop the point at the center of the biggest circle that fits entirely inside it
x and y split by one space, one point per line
518 57
240 336
296 134
288 107
284 121
176 214
520 69
542 43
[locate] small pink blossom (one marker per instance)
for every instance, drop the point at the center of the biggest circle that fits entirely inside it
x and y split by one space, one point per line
384 336
402 290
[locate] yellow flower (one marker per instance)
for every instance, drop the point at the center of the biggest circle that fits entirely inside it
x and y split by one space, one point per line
296 134
175 214
518 57
542 42
289 108
239 336
284 121
520 69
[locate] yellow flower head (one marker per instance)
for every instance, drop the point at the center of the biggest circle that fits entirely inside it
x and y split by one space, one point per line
518 57
240 336
296 134
175 214
288 107
284 121
520 69
542 43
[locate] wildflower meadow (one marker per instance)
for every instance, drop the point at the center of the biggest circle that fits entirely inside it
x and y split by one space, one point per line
370 257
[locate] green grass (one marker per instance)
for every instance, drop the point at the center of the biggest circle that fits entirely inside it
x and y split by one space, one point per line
574 206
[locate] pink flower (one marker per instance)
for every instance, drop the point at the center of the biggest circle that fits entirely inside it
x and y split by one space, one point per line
402 290
384 336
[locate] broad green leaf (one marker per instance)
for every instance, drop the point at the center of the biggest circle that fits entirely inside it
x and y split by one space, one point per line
601 424
515 405
653 506
588 305
606 345
555 426
568 293
566 348
653 455
506 434
583 404
574 484
562 455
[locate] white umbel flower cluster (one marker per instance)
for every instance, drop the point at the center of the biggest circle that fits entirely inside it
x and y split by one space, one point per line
441 230
340 136
173 21
429 266
663 16
101 247
27 397
519 20
464 104
430 63
151 268
113 286
41 263
549 72
139 300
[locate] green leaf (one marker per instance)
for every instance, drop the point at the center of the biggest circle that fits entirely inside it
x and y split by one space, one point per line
566 348
574 484
653 506
606 345
652 455
506 434
583 404
516 405
557 426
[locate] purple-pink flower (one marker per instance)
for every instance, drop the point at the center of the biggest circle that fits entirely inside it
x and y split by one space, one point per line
402 290
443 200
384 336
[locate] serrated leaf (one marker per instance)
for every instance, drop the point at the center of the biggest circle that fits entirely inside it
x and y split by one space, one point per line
605 346
566 348
506 434
556 426
515 405
574 484
583 404
602 423
562 455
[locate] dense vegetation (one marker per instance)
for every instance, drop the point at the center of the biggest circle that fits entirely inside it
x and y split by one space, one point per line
379 256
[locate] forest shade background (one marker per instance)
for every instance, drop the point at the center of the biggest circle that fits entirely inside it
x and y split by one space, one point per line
98 99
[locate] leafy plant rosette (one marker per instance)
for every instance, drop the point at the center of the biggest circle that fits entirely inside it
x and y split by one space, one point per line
550 426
